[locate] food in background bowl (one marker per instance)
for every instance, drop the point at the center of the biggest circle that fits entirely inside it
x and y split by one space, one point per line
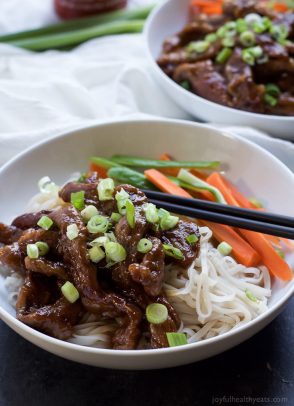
95 263
241 58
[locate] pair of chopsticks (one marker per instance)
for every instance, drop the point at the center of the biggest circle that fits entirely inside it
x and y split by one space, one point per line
254 220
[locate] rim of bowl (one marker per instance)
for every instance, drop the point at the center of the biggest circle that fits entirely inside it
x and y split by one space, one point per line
139 353
175 85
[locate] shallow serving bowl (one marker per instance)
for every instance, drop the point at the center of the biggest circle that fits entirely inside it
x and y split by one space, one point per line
171 17
253 169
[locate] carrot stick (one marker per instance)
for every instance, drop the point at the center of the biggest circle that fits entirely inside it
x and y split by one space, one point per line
241 199
242 250
102 172
213 9
280 7
165 184
168 171
276 265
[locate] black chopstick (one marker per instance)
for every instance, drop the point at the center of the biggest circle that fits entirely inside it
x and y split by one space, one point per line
254 220
251 214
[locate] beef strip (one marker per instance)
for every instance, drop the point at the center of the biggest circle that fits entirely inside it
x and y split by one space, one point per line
38 307
284 107
150 272
239 8
29 220
177 238
204 80
246 94
83 275
46 267
9 234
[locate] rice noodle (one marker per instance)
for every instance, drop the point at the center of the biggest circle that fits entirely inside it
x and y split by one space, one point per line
210 297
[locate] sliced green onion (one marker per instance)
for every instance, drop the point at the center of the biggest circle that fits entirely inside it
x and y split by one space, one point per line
267 22
98 224
70 292
273 90
111 236
211 38
43 248
230 27
198 46
247 57
257 51
257 203
121 197
89 212
96 254
173 252
72 231
32 251
105 189
251 296
224 248
82 178
144 246
252 18
221 32
259 28
46 186
224 55
156 313
228 42
45 223
130 212
77 199
270 100
115 252
115 217
162 213
168 222
192 239
151 213
185 84
176 339
197 183
279 32
247 39
100 241
241 25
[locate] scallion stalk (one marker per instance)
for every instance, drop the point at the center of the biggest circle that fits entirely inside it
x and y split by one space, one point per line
176 339
156 313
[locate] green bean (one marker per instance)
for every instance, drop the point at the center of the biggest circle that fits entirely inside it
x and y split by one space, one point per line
129 176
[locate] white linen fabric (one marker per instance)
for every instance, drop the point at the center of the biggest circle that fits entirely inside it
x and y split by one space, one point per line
42 94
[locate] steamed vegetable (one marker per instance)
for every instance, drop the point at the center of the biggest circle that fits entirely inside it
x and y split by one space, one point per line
154 163
127 175
165 184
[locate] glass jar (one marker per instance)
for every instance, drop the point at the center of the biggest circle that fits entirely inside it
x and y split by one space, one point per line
68 9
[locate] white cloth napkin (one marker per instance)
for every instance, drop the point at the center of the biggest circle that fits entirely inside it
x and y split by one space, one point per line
42 94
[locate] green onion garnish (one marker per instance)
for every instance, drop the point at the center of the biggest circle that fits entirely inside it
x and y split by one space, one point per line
279 32
72 231
211 38
156 313
192 239
115 252
45 223
70 292
162 213
221 32
185 84
89 212
121 197
198 46
115 217
77 199
273 90
173 252
100 241
168 222
98 224
257 51
32 251
130 212
224 55
176 339
228 42
248 57
96 254
43 248
224 248
247 39
105 189
251 296
241 25
144 246
46 186
270 100
151 213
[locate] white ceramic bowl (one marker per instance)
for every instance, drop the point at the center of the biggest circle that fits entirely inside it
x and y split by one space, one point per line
169 18
254 170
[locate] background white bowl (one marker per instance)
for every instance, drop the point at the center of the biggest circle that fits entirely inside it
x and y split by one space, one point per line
171 17
254 170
